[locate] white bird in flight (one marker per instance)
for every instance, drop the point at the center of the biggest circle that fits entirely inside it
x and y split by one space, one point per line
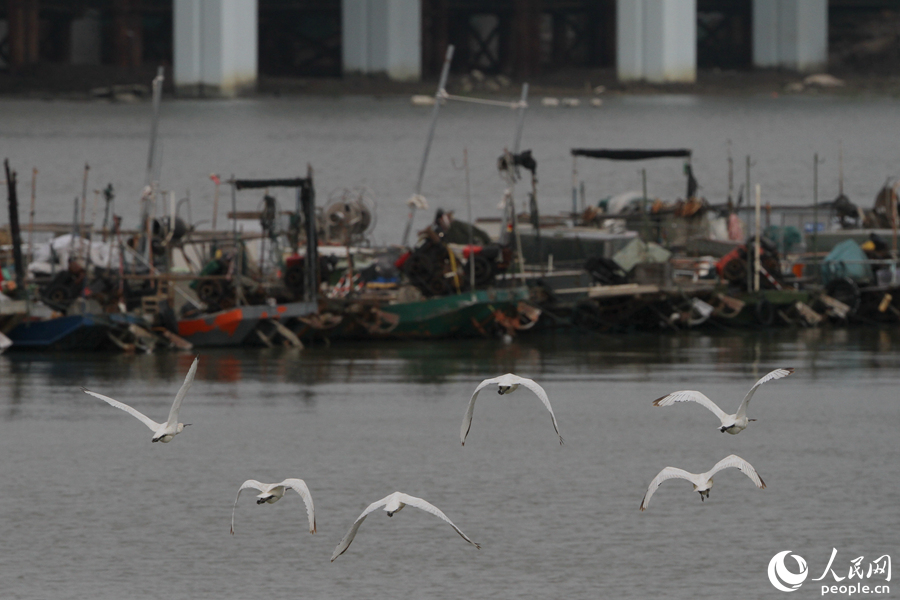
162 432
273 492
703 481
506 384
733 424
392 504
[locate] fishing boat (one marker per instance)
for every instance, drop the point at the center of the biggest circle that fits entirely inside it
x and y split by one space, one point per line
82 332
235 326
478 313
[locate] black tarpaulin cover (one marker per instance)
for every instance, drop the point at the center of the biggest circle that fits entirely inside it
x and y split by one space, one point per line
249 184
631 154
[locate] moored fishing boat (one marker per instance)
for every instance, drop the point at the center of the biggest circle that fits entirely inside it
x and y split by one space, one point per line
475 313
233 327
63 333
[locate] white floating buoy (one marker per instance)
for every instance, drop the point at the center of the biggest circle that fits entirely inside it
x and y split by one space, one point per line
823 80
571 102
5 342
547 101
599 89
596 102
422 100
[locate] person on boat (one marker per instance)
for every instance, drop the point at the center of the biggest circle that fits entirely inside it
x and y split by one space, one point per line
452 231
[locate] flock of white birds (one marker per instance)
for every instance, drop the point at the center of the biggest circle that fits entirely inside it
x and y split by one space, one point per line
506 384
733 424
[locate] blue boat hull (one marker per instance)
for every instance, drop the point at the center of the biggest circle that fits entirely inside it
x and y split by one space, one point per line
77 332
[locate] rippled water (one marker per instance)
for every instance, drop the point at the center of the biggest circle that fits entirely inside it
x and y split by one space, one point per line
362 141
92 509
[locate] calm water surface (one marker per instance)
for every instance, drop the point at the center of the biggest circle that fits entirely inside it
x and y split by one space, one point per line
378 143
92 509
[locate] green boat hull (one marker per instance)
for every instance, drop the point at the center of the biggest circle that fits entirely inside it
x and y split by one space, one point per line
761 309
470 314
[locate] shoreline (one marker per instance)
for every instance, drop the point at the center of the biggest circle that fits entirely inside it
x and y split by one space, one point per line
68 82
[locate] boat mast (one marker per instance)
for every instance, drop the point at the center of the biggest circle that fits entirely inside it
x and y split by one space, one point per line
510 210
14 229
416 198
840 168
34 173
149 195
307 194
471 223
730 177
815 231
757 266
520 120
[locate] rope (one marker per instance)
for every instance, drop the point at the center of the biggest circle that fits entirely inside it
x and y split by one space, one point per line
516 104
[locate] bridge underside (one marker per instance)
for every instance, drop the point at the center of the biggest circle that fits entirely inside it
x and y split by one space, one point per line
655 40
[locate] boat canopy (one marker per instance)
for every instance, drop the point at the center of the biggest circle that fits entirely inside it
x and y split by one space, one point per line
249 184
631 154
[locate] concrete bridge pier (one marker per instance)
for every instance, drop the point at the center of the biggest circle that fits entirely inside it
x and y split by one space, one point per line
215 47
656 40
382 37
791 34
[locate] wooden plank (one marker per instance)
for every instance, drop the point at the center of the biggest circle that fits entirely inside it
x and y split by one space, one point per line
287 334
176 340
264 338
13 307
628 289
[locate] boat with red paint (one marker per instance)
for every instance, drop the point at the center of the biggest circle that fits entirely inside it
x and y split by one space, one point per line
234 326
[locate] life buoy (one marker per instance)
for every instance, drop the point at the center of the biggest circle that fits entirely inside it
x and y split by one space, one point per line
484 270
210 291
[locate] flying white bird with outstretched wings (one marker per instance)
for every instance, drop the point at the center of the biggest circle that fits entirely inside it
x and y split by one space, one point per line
391 505
273 492
162 432
506 384
733 424
703 481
